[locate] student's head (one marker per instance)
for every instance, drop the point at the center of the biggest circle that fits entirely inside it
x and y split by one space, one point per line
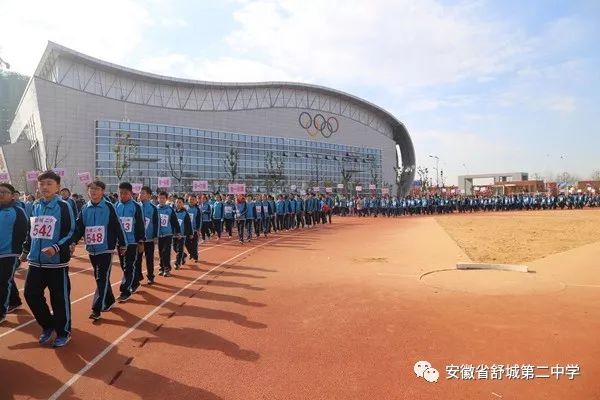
96 191
31 198
179 202
16 195
162 198
65 193
192 199
240 198
125 191
203 199
218 197
48 184
145 193
172 198
6 193
249 197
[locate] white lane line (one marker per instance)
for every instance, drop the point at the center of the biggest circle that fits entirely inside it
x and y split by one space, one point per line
111 346
24 324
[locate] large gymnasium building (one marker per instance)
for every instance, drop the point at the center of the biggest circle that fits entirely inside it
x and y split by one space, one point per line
83 114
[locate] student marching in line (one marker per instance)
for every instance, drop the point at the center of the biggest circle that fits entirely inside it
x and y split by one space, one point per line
185 224
280 211
169 226
101 230
250 215
266 220
151 224
273 215
65 194
12 235
299 211
259 216
217 216
206 218
47 249
132 220
229 215
241 211
192 244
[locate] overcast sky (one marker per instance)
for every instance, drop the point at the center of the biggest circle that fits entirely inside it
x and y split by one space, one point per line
487 86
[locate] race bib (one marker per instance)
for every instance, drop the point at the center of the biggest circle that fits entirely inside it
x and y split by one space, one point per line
258 209
42 227
164 220
127 223
228 209
180 222
94 234
146 222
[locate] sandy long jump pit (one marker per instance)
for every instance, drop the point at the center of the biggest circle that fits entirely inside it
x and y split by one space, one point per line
365 308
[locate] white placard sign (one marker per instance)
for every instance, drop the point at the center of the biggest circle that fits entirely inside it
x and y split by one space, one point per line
4 177
372 187
328 190
32 176
340 185
84 177
359 188
200 186
385 190
164 182
293 187
136 187
236 188
60 172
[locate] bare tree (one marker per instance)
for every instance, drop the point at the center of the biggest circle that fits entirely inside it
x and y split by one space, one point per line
125 149
374 172
231 164
423 174
346 175
56 155
566 178
176 162
275 171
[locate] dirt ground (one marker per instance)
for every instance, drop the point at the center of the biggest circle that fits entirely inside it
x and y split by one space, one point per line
517 237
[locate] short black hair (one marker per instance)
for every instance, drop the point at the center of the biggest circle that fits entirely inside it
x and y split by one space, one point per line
67 189
126 186
16 192
163 193
49 175
181 198
147 190
98 183
9 187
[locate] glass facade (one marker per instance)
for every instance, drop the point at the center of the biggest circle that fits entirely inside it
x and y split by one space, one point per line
141 152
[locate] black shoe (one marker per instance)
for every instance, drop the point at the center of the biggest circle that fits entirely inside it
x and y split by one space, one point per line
184 258
135 289
167 273
95 316
123 298
150 281
161 273
109 307
177 266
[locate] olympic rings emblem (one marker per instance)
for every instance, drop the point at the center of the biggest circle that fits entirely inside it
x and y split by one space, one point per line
325 126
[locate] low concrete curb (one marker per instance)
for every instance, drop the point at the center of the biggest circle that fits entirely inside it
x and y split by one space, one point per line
501 267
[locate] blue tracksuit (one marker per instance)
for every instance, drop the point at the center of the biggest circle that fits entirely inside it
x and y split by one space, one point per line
12 235
132 220
52 224
217 210
228 210
14 230
194 212
151 220
184 221
100 228
169 225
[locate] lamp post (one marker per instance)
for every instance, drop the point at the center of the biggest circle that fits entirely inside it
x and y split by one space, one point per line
437 169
